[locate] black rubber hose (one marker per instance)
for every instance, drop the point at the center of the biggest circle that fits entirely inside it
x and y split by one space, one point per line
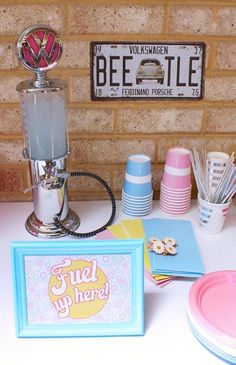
113 203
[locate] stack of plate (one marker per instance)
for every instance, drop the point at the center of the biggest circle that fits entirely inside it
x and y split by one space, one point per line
136 206
212 313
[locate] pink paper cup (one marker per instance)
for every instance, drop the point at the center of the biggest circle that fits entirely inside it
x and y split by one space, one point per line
174 198
170 210
178 157
166 210
176 191
176 181
175 203
177 171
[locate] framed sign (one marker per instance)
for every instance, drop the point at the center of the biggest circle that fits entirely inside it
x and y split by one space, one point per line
78 288
147 70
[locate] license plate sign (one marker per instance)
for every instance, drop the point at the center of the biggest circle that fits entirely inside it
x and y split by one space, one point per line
147 70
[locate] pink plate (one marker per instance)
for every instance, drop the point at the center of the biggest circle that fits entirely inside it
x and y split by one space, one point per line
212 301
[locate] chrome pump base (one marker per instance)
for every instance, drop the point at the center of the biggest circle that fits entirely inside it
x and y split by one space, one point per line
50 198
50 230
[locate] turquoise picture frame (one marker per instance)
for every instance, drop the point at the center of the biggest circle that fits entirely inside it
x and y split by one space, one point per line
78 288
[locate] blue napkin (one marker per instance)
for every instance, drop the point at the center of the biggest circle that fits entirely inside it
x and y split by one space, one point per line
187 262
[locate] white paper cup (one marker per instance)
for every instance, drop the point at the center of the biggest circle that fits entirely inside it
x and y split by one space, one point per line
212 216
217 158
216 166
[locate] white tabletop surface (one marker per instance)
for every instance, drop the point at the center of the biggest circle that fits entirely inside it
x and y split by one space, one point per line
168 339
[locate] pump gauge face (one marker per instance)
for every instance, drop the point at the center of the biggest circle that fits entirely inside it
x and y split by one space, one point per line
39 48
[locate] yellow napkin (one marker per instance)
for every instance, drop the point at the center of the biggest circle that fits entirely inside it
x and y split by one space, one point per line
118 231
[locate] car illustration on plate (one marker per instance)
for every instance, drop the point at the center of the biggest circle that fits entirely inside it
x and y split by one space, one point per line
150 69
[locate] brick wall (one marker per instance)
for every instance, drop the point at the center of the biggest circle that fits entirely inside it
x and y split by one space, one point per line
103 134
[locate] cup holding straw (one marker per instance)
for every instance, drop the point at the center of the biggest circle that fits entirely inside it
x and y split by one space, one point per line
215 175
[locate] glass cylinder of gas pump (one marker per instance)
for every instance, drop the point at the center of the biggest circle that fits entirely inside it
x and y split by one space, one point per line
44 113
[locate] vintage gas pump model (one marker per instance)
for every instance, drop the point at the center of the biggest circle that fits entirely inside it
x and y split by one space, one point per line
44 113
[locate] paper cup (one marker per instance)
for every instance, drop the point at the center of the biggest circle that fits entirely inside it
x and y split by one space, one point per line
174 190
212 216
174 199
140 199
137 190
178 157
138 165
217 159
135 212
175 203
179 211
136 204
138 178
216 162
177 170
176 181
136 207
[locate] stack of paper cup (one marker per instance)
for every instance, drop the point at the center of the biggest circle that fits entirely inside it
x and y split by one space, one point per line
175 191
216 162
137 190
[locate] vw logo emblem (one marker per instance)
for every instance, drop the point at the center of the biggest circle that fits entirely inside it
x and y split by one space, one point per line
39 48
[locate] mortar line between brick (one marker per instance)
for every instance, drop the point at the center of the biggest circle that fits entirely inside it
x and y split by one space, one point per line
153 104
220 73
212 59
115 122
144 2
140 105
204 121
11 137
151 136
142 37
166 19
28 2
66 18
